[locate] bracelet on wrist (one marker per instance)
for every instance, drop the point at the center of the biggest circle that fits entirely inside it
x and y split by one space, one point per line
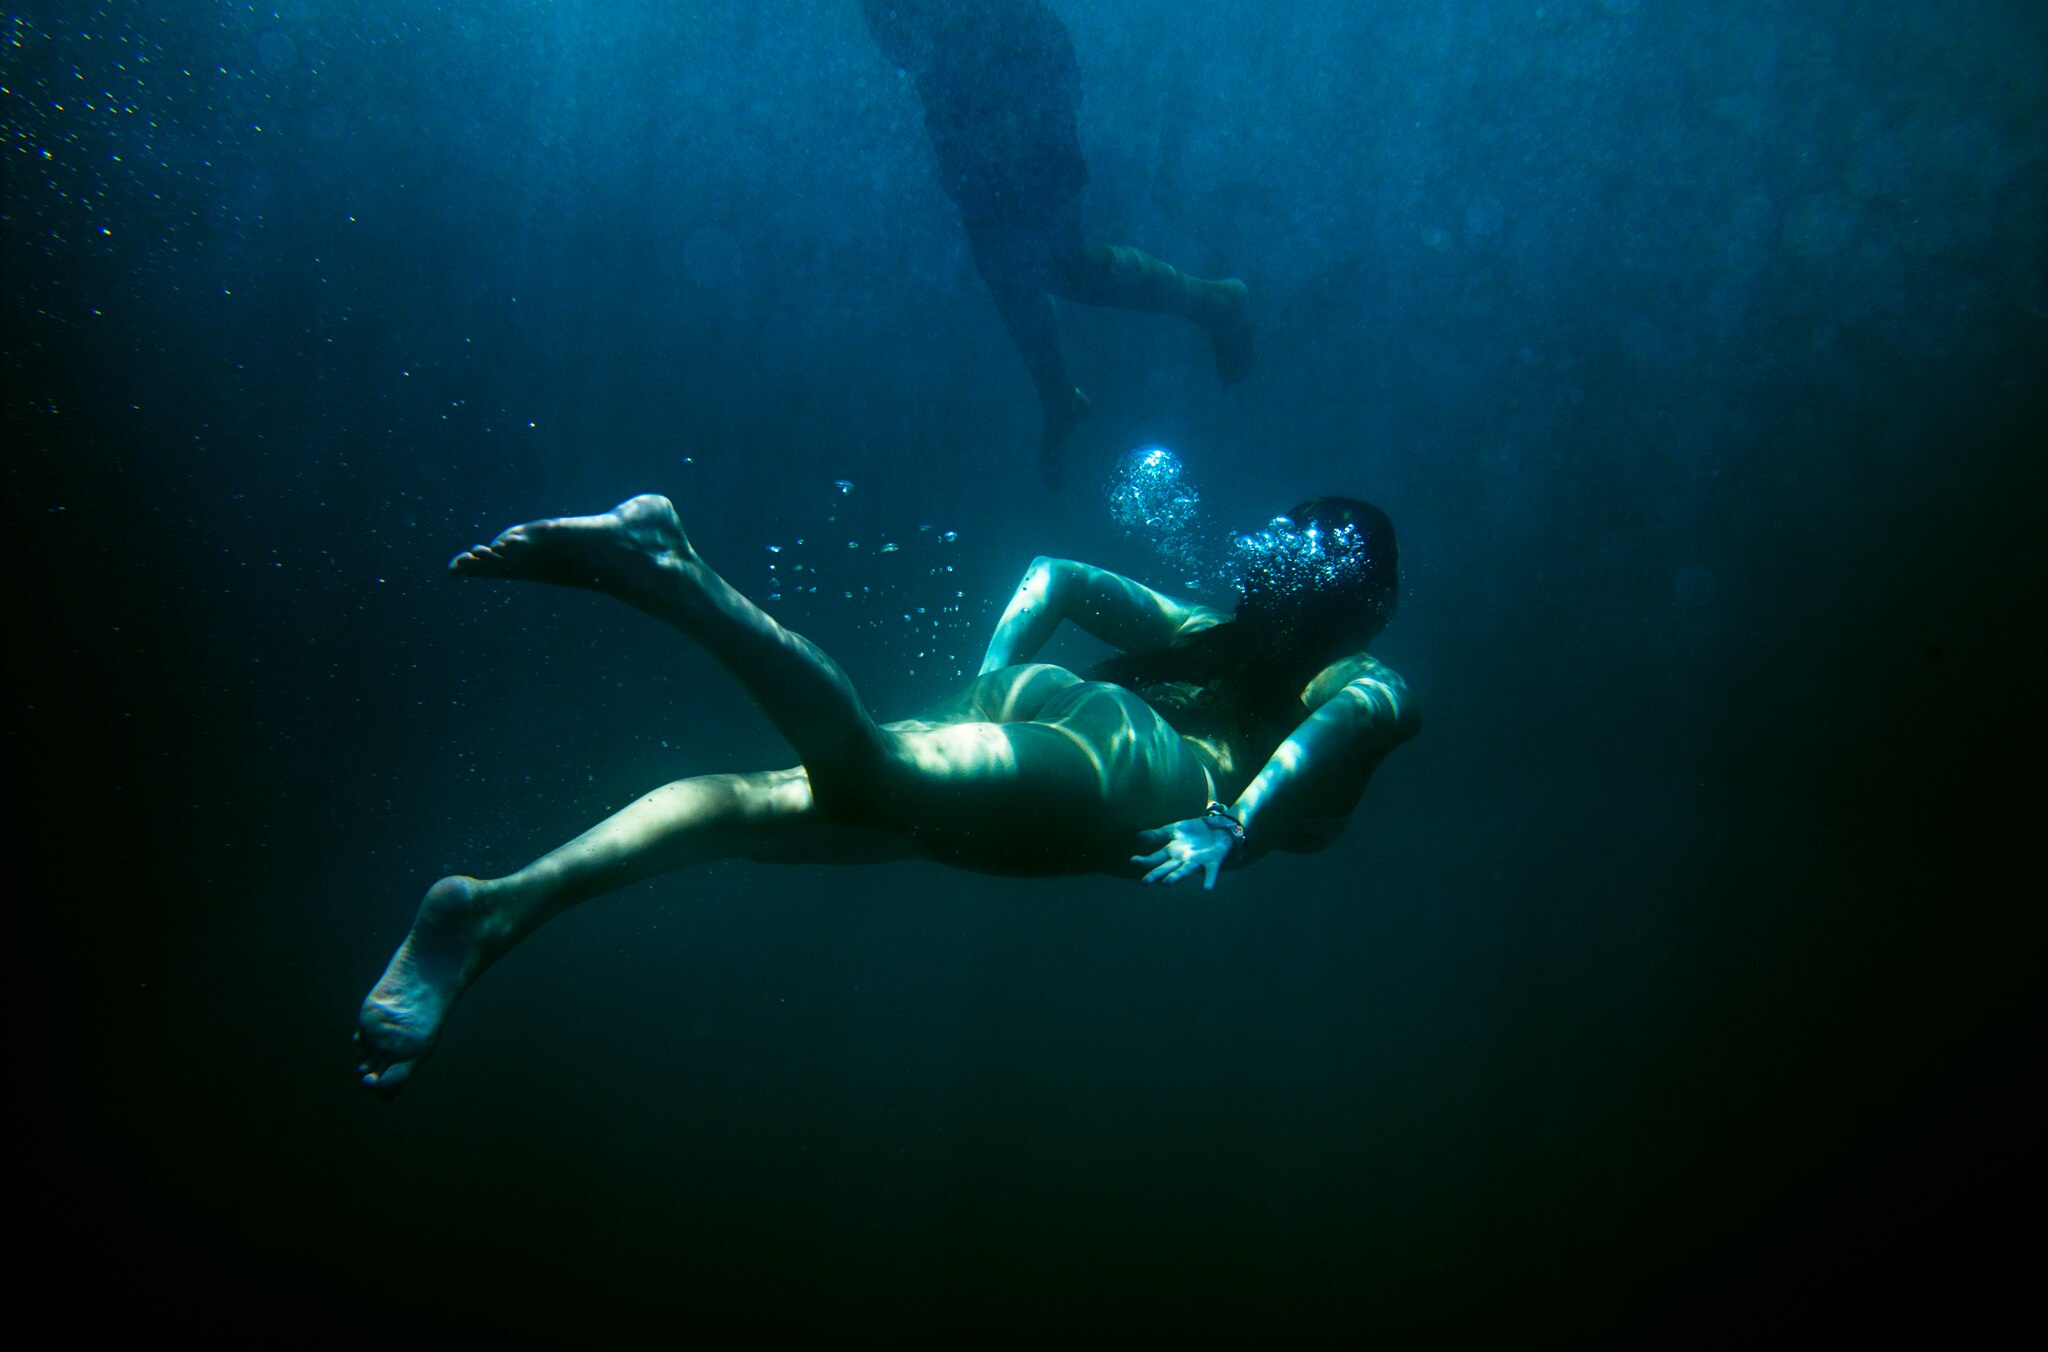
1225 818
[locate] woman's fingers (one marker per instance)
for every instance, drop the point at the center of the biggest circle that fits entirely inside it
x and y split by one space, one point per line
1172 871
1177 856
1167 872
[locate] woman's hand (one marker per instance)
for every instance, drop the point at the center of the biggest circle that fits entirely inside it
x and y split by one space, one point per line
1180 850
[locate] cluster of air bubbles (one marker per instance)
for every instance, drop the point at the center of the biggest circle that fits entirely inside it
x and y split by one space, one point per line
1149 492
1152 499
1283 561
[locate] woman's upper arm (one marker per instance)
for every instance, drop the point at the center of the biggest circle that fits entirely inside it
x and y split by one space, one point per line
1129 615
1320 771
1369 694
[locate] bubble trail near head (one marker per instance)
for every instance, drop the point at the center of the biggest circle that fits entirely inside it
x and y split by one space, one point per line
1152 499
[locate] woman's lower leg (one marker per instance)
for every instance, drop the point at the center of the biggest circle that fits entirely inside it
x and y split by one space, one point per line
690 821
639 553
465 924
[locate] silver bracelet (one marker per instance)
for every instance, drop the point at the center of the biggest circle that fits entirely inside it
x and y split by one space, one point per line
1230 823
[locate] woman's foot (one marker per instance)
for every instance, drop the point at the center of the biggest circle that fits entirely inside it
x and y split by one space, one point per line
637 551
449 946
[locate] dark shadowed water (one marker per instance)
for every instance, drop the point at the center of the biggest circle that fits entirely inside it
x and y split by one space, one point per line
1676 978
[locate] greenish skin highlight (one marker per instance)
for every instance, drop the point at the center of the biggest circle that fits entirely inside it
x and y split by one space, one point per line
1030 770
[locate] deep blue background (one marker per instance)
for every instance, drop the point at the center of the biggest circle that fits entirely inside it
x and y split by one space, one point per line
1675 978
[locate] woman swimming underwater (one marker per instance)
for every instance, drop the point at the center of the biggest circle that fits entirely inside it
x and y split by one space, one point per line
1208 741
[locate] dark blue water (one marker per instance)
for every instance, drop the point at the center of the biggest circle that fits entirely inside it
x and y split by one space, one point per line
1673 978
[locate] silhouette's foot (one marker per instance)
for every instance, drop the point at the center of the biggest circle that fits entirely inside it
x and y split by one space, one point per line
1061 418
1230 328
449 946
632 552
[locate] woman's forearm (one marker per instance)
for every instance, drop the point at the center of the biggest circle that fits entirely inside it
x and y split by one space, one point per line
1029 619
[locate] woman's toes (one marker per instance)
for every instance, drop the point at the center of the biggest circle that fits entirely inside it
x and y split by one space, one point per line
392 1079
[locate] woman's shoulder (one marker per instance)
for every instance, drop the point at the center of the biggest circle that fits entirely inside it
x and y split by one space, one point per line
1359 666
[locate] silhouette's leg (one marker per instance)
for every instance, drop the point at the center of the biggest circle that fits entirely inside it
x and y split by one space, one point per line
1131 279
1016 266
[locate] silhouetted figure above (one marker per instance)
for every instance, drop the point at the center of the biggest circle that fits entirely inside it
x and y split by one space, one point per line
1000 88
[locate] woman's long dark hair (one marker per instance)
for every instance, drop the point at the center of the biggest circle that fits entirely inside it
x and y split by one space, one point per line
1318 584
